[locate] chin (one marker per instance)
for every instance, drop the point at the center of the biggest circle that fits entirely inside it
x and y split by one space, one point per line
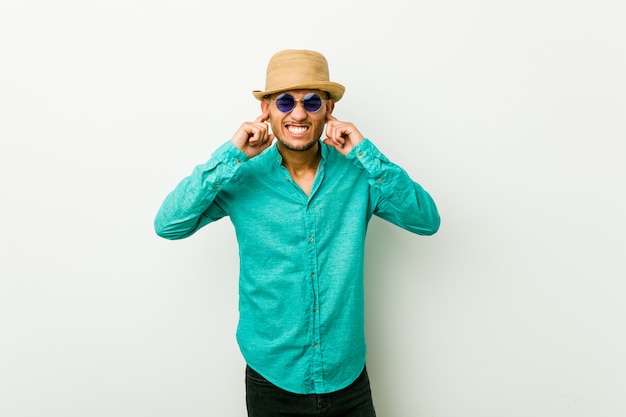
298 146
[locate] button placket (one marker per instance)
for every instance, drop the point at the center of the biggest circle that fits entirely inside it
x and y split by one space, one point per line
316 354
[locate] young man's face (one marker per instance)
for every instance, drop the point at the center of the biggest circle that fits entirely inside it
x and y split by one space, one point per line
297 117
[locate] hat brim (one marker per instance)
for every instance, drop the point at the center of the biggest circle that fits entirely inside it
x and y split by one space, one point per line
335 90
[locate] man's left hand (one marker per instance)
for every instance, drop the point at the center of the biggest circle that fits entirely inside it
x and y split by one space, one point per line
343 136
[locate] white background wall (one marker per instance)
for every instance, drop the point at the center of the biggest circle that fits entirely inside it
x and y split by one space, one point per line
512 114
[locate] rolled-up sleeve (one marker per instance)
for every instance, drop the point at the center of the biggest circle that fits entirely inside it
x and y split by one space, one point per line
190 205
395 197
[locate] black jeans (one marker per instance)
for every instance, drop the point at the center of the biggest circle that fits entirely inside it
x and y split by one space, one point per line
265 399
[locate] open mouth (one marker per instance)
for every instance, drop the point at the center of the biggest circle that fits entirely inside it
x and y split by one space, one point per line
297 130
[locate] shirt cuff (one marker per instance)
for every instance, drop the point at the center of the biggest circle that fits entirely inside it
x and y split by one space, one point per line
366 155
228 155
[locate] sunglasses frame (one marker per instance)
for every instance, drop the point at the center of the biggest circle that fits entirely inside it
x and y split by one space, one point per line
302 100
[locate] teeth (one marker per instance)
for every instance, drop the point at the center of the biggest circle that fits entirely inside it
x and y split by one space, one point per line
297 130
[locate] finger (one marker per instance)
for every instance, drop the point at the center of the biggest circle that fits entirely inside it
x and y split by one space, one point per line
263 117
332 142
329 142
267 143
335 134
335 129
255 135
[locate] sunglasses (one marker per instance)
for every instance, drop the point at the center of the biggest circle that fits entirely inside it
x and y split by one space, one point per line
311 102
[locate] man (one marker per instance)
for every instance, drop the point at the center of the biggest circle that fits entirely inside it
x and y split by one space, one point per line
300 205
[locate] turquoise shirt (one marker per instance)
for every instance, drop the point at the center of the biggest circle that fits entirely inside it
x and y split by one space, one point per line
301 321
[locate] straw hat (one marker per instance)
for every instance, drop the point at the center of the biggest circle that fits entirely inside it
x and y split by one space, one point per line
298 69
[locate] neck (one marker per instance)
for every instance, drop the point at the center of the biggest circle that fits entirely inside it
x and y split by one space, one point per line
300 161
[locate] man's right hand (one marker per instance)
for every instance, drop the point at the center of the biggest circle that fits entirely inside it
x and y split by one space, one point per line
252 138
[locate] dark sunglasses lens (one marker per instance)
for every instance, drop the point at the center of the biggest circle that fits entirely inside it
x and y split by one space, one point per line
285 103
312 102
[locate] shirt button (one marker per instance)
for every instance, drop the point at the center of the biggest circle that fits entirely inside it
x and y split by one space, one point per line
360 154
380 180
312 274
217 186
311 239
315 345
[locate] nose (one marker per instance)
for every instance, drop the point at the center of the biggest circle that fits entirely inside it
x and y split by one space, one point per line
298 112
